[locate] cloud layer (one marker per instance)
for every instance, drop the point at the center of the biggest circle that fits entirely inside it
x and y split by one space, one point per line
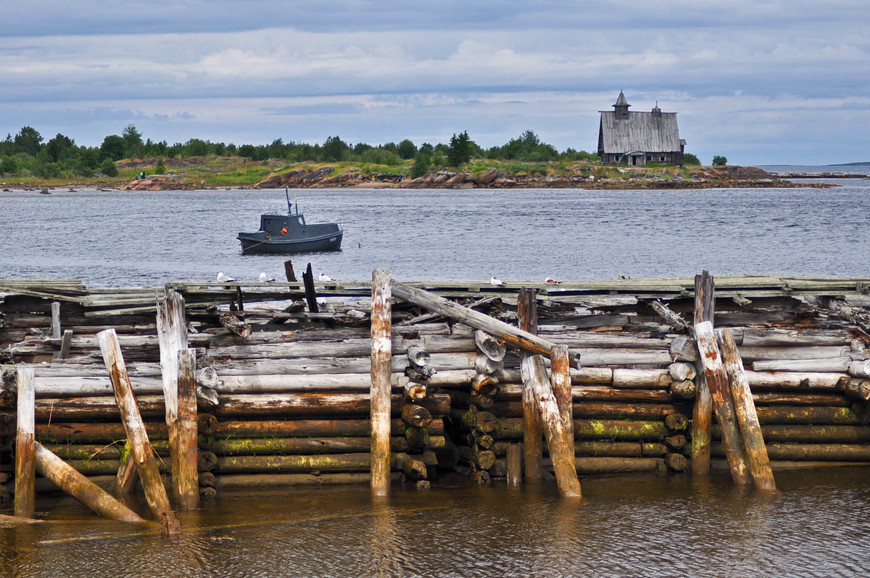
760 82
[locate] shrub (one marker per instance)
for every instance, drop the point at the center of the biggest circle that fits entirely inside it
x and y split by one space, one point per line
690 159
719 161
108 168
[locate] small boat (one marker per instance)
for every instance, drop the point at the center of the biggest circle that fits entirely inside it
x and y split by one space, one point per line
291 234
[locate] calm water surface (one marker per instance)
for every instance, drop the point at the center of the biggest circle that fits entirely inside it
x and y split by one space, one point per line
628 526
148 238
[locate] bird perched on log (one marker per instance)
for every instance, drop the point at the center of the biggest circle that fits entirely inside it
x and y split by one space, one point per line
224 278
496 282
265 278
551 281
324 277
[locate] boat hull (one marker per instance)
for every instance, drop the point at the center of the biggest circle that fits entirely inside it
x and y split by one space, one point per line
258 243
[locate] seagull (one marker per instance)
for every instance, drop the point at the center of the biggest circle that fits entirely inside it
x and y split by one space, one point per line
265 278
622 277
496 282
223 278
550 281
324 277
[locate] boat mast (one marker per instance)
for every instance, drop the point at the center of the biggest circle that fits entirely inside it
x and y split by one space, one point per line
289 206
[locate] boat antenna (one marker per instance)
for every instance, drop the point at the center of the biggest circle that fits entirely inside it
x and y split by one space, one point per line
287 194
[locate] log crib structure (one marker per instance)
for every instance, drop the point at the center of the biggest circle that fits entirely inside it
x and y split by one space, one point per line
241 385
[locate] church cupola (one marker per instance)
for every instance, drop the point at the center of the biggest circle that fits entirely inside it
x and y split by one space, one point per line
620 109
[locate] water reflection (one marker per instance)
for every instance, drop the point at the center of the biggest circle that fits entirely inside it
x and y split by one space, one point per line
626 526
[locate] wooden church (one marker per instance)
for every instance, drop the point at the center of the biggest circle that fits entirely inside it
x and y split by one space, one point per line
639 138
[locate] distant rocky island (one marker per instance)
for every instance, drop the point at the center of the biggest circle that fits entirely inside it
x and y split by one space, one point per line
587 177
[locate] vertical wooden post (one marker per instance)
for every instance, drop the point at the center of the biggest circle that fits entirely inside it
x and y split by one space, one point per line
723 404
140 447
381 370
702 411
288 271
187 481
55 319
78 486
533 446
310 293
514 465
747 417
560 379
25 465
172 337
560 446
65 344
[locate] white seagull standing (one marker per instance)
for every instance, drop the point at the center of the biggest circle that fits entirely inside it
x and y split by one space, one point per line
265 278
496 282
223 278
324 277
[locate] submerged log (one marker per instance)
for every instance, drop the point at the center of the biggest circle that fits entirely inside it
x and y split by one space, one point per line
75 484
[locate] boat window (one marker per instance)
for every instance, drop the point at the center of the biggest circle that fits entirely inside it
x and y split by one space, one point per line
301 222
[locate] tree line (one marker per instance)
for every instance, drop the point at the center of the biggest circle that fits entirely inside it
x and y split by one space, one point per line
28 154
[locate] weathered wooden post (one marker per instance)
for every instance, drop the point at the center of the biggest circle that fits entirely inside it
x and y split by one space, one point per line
25 466
140 447
723 404
172 337
560 379
381 333
187 479
514 465
560 445
288 271
702 411
310 292
747 417
78 486
533 447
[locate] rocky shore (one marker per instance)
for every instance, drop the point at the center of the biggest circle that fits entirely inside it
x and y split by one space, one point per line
613 178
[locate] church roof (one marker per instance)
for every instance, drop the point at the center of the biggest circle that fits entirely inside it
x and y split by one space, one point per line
640 131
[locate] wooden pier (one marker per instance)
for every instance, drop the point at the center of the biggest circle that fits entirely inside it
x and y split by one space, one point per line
391 382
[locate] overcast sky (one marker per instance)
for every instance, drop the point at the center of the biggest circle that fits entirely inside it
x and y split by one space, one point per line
761 82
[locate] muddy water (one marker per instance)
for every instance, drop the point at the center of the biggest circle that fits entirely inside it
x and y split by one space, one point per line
817 525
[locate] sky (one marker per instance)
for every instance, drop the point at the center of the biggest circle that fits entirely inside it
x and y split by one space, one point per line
757 81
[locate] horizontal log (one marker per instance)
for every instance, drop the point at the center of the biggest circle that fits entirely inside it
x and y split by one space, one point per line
296 445
594 393
829 365
112 451
589 429
807 352
246 481
86 432
312 428
807 415
582 376
816 452
358 347
337 365
821 434
316 404
793 379
756 337
591 409
642 379
602 449
597 465
799 398
359 462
